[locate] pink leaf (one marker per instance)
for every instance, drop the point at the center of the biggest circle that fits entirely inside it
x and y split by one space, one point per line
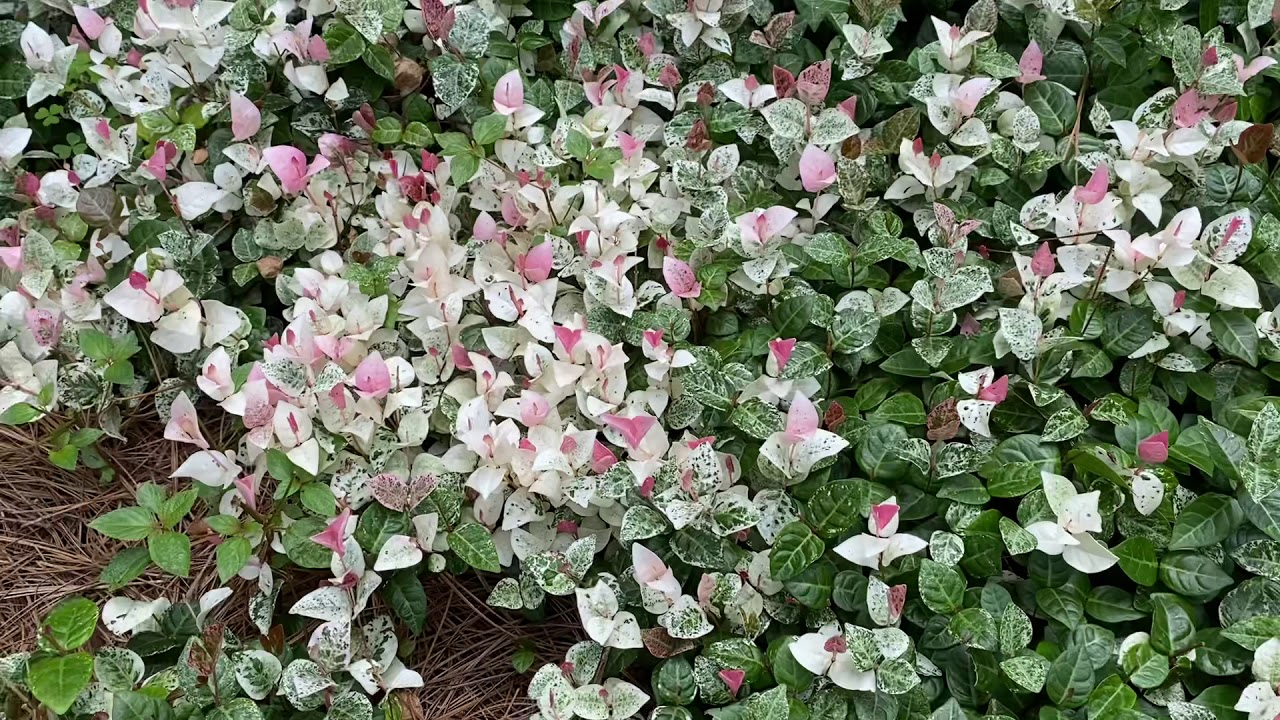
813 83
373 378
334 536
817 171
1155 449
996 392
781 351
45 326
633 429
1190 108
680 278
802 420
157 164
1092 192
536 264
884 517
533 409
706 589
508 94
1030 64
628 145
849 106
245 118
1042 263
248 487
511 214
1257 65
568 337
836 644
897 601
970 93
732 677
461 358
317 50
602 458
183 425
486 228
92 23
289 165
783 81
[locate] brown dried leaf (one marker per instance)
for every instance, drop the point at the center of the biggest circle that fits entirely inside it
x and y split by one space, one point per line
943 421
1252 146
660 643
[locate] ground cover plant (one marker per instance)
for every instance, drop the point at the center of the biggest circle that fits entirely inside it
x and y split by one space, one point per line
837 359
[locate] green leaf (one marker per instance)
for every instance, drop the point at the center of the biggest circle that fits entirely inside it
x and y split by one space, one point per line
1206 521
301 549
237 709
1014 479
941 587
463 167
57 681
96 344
403 591
119 373
1234 333
1137 557
473 544
380 61
318 498
280 467
171 551
904 408
673 682
1260 557
1014 631
834 507
125 567
1054 105
232 554
1111 698
489 129
1252 632
577 145
71 623
1061 604
140 705
1193 575
795 548
812 587
813 12
65 457
1028 671
1111 604
177 507
127 523
387 131
1172 630
1070 677
1126 330
344 43
21 414
15 78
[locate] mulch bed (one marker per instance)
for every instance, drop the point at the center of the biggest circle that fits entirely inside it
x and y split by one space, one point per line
48 553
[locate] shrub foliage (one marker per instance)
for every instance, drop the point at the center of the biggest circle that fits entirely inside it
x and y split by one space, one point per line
841 360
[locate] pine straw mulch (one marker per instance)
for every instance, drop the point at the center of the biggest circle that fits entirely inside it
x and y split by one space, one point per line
48 553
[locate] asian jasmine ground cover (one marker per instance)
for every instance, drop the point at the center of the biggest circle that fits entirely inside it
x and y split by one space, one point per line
838 360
